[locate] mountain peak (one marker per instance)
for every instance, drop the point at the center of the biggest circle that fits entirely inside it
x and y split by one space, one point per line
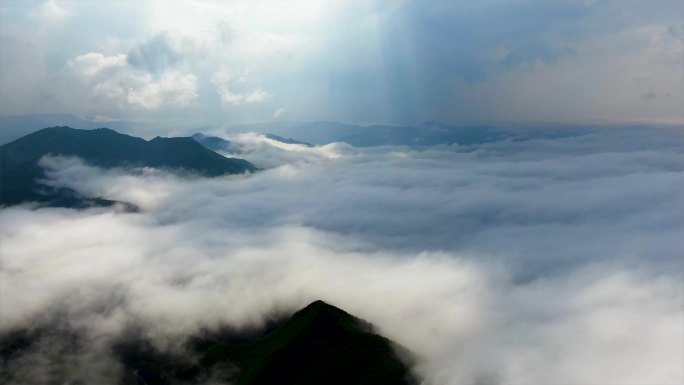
319 344
213 143
319 307
55 129
319 302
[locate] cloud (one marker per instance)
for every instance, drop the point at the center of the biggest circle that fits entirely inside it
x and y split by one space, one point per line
51 11
269 153
532 261
649 95
114 79
102 119
536 61
278 112
172 89
237 90
93 63
155 54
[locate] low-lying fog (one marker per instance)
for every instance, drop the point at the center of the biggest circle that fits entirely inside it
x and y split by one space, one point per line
517 262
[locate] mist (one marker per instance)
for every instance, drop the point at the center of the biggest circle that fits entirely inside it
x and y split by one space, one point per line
549 260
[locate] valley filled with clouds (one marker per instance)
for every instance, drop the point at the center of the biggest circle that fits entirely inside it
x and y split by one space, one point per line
545 260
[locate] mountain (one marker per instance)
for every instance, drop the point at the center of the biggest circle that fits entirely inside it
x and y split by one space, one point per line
427 134
19 168
377 135
287 140
319 344
213 143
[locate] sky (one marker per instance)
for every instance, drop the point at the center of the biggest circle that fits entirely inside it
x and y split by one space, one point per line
198 63
542 261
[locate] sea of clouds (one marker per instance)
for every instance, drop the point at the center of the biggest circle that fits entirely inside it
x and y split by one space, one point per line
552 260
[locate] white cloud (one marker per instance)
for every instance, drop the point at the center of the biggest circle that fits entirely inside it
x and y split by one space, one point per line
570 62
516 262
113 78
278 112
51 11
93 63
237 90
171 89
102 119
268 153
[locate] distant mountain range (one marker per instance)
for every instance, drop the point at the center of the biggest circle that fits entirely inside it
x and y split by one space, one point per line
20 171
428 134
318 133
319 344
321 133
287 140
215 143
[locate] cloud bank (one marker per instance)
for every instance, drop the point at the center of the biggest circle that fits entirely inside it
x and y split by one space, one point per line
516 262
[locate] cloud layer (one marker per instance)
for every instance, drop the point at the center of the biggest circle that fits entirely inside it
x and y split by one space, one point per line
516 262
403 62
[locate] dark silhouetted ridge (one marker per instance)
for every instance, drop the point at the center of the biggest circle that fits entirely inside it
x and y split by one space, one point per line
319 344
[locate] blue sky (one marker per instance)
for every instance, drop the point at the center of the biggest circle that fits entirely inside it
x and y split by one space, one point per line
399 62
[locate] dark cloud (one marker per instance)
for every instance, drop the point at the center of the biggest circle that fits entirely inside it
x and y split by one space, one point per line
461 40
526 261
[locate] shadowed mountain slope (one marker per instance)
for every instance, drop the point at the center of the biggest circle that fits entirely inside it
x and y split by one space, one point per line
319 344
213 143
19 168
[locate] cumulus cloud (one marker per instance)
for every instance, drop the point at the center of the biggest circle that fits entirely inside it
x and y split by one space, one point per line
518 262
113 78
172 88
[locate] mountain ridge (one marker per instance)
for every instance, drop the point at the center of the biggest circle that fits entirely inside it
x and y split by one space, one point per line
318 344
102 147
